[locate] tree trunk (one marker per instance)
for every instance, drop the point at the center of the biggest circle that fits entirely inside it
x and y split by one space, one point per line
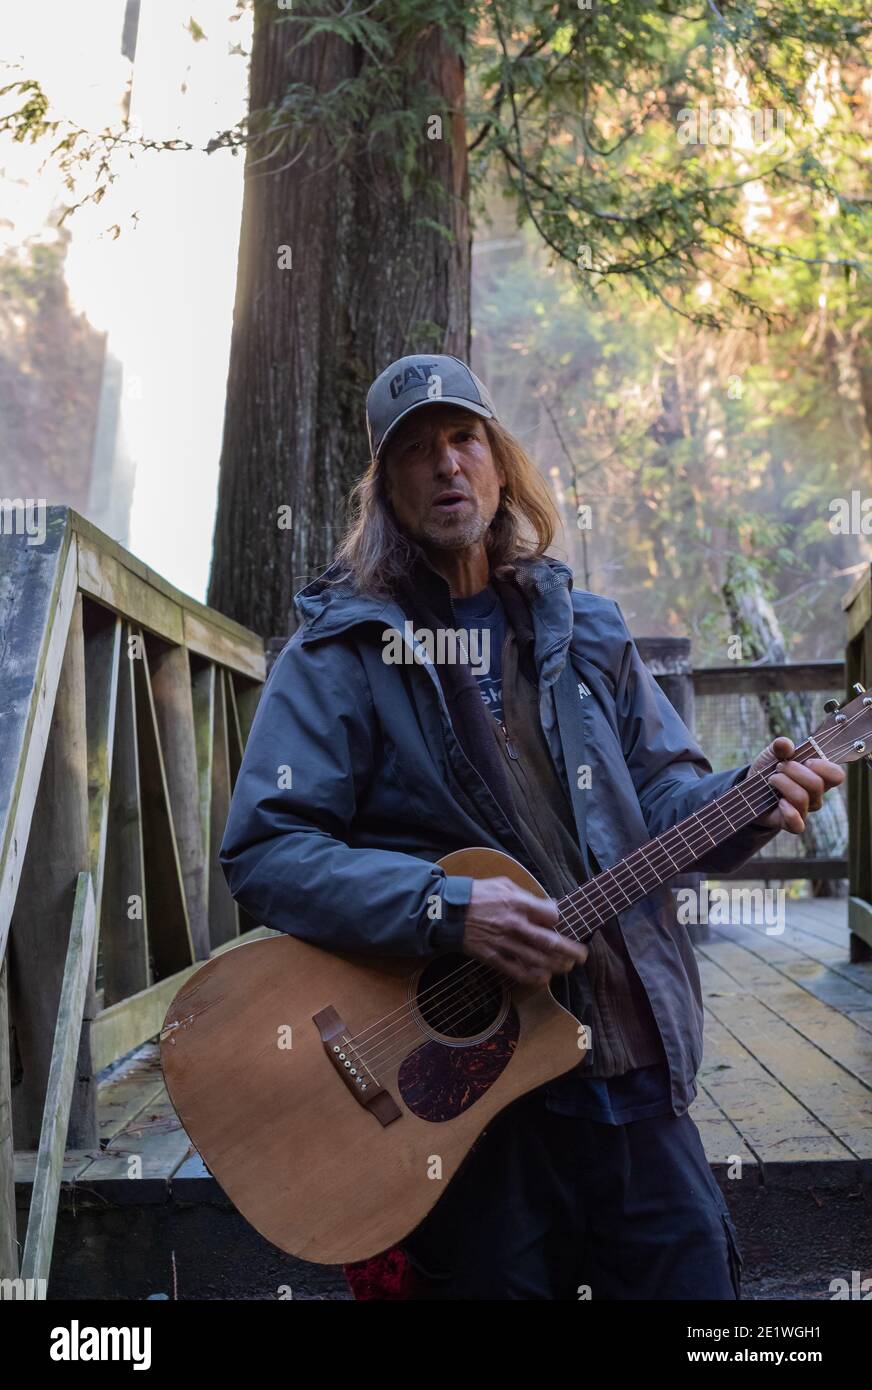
368 281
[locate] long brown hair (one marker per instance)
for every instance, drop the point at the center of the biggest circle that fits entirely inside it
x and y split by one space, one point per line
377 555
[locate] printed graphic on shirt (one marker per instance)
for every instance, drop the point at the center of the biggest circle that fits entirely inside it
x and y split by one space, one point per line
491 687
484 612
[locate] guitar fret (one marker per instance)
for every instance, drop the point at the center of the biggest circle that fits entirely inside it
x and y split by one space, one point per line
643 856
677 831
747 801
699 822
676 856
661 845
716 806
611 874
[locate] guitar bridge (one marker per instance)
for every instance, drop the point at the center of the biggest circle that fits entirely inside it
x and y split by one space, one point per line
367 1091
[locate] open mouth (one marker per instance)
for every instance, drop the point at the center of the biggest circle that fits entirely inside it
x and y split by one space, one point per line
449 502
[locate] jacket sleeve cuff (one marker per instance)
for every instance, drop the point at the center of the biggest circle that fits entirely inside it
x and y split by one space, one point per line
447 932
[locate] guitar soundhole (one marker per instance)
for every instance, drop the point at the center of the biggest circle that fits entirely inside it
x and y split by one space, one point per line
459 999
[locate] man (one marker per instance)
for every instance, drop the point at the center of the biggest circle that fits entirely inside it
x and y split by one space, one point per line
554 745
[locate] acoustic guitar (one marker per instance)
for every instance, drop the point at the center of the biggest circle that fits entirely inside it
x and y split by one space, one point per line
335 1095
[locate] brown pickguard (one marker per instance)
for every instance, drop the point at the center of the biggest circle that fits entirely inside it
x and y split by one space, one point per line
300 1158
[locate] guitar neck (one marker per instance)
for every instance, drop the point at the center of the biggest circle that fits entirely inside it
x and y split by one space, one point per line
598 900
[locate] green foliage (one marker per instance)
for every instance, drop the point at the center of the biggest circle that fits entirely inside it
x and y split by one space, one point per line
579 112
690 445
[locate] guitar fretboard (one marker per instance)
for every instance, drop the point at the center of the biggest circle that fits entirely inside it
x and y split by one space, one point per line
587 907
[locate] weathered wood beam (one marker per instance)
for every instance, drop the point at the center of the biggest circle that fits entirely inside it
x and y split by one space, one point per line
168 924
235 748
762 680
124 916
170 672
857 603
36 1261
248 695
57 852
223 911
118 579
203 681
860 926
37 593
224 647
102 659
859 667
8 1232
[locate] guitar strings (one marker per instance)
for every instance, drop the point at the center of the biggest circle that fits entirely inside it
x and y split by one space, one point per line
479 969
385 1049
474 971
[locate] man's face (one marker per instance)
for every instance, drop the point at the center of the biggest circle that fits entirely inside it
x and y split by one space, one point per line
441 477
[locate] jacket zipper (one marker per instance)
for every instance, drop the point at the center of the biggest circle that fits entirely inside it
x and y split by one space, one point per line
511 746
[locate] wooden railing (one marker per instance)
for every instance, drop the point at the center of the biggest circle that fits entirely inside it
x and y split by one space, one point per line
693 689
858 610
125 708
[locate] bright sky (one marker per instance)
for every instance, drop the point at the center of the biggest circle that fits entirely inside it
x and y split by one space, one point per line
164 289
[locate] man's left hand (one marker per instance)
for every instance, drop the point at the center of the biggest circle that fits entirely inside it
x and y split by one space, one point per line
801 786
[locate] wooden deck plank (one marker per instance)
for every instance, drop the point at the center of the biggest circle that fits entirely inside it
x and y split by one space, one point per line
839 1038
817 980
74 1164
155 1136
849 995
137 1083
720 1138
795 944
836 1100
774 1125
823 917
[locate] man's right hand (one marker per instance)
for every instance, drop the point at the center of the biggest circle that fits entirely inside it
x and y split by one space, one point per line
516 932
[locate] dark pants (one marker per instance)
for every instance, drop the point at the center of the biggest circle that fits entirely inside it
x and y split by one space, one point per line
549 1207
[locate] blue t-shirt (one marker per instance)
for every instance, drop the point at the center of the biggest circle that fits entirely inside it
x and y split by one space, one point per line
639 1094
484 618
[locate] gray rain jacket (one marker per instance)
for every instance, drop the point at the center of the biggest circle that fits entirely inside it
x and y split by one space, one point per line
353 783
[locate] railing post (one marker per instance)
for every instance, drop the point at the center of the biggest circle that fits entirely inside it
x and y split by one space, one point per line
858 667
58 851
668 659
8 1233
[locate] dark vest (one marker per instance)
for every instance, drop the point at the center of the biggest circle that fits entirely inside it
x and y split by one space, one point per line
606 992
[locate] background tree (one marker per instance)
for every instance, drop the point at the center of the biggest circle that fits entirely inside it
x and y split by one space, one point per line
375 245
601 123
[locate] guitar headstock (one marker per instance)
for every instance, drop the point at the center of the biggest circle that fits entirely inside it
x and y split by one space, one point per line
845 735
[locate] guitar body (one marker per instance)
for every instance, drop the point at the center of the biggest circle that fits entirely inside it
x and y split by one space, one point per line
329 1160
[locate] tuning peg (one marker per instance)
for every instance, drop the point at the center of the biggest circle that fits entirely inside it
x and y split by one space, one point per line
858 688
830 706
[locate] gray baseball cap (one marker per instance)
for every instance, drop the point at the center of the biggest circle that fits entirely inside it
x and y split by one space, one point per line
412 382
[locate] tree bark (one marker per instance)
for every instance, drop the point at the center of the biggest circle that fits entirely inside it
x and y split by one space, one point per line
369 281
